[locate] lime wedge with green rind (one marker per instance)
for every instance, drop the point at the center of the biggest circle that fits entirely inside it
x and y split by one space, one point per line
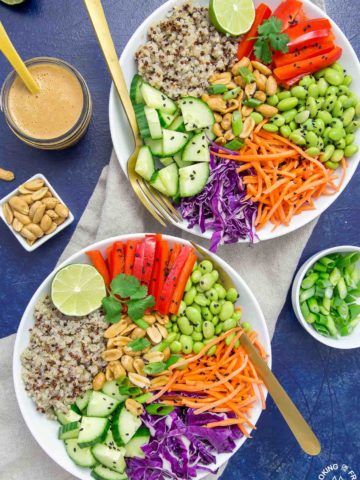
12 2
77 290
232 17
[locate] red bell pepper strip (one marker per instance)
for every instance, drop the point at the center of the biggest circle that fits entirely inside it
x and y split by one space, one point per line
247 42
308 26
139 261
174 252
155 271
303 53
130 256
149 256
308 39
171 281
180 286
99 263
109 256
289 12
160 274
309 65
118 259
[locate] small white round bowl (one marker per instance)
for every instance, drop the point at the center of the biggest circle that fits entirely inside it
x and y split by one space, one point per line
345 343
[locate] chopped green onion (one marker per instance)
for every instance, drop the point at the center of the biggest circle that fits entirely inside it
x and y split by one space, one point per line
141 323
236 123
139 344
304 309
252 102
341 287
313 305
144 398
246 75
234 145
335 276
306 294
159 409
232 93
172 360
311 318
309 281
154 368
216 89
318 267
328 262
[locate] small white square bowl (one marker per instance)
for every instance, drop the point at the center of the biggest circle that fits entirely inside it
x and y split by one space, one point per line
45 238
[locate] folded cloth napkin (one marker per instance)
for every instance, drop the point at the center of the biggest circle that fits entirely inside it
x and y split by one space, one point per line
113 209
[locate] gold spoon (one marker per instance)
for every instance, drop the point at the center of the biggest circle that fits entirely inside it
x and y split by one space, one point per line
18 65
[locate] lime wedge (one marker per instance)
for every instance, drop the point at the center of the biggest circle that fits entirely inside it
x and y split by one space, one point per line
233 17
77 290
12 2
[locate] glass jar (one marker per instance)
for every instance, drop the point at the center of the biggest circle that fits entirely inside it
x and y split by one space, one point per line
70 137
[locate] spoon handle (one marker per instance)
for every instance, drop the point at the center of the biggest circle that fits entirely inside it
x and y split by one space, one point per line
296 422
18 65
101 27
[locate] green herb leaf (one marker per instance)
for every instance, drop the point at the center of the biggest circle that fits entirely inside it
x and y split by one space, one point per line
141 293
125 285
128 390
262 50
279 42
136 308
154 368
172 360
159 409
271 25
246 75
139 344
113 309
270 39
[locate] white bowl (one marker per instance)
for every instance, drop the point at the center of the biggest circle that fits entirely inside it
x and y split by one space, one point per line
350 341
123 141
45 431
45 238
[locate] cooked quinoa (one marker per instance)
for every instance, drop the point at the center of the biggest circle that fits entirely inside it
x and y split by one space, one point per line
63 356
183 51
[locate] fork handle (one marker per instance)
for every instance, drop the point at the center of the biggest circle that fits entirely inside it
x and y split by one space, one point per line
101 27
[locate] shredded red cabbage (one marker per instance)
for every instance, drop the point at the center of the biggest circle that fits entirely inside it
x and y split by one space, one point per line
221 206
181 446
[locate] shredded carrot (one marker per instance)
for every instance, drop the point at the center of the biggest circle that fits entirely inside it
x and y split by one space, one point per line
224 382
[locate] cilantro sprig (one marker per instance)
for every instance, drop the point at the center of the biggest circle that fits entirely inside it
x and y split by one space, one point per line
270 40
126 292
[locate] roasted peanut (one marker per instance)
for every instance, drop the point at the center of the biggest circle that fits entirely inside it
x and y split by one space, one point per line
39 213
112 354
8 213
128 363
217 103
261 67
139 365
98 381
39 194
154 334
18 204
149 319
45 223
226 122
229 136
17 225
116 328
162 319
240 81
232 105
152 357
6 175
267 110
24 219
117 369
217 129
259 95
139 380
248 127
271 86
61 210
138 333
260 80
220 78
250 89
34 185
50 202
134 407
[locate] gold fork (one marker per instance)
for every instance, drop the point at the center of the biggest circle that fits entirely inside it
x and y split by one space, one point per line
296 422
156 203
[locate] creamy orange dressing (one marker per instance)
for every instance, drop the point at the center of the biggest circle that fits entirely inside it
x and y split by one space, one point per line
54 110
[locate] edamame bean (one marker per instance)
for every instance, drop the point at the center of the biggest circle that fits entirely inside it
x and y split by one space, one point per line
337 156
232 295
197 347
278 120
289 115
301 117
215 308
206 314
333 77
175 328
229 338
227 310
215 275
175 347
330 103
313 151
298 91
319 126
190 295
293 125
297 138
336 66
343 90
353 126
287 104
322 85
197 336
320 143
211 351
324 116
313 90
350 150
320 102
187 344
237 314
307 81
341 144
229 324
206 266
331 165
198 328
309 125
206 282
215 320
220 290
188 285
197 307
182 307
312 106
212 294
357 109
349 139
273 100
171 337
219 328
208 330
201 300
319 73
351 101
331 91
193 315
184 326
338 109
283 95
311 139
348 116
257 116
342 99
196 276
246 326
270 127
336 134
285 131
347 80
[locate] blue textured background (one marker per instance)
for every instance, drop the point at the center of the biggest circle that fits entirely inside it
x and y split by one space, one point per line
324 383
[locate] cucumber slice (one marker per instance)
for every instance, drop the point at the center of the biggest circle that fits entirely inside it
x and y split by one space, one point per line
166 161
101 405
153 121
156 99
68 417
178 124
178 160
173 142
112 388
92 431
155 181
142 121
103 473
197 149
196 113
112 458
169 177
83 401
124 425
156 147
193 179
166 119
133 448
145 165
81 456
209 133
135 92
70 430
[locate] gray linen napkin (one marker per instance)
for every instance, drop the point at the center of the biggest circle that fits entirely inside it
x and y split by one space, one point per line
112 210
